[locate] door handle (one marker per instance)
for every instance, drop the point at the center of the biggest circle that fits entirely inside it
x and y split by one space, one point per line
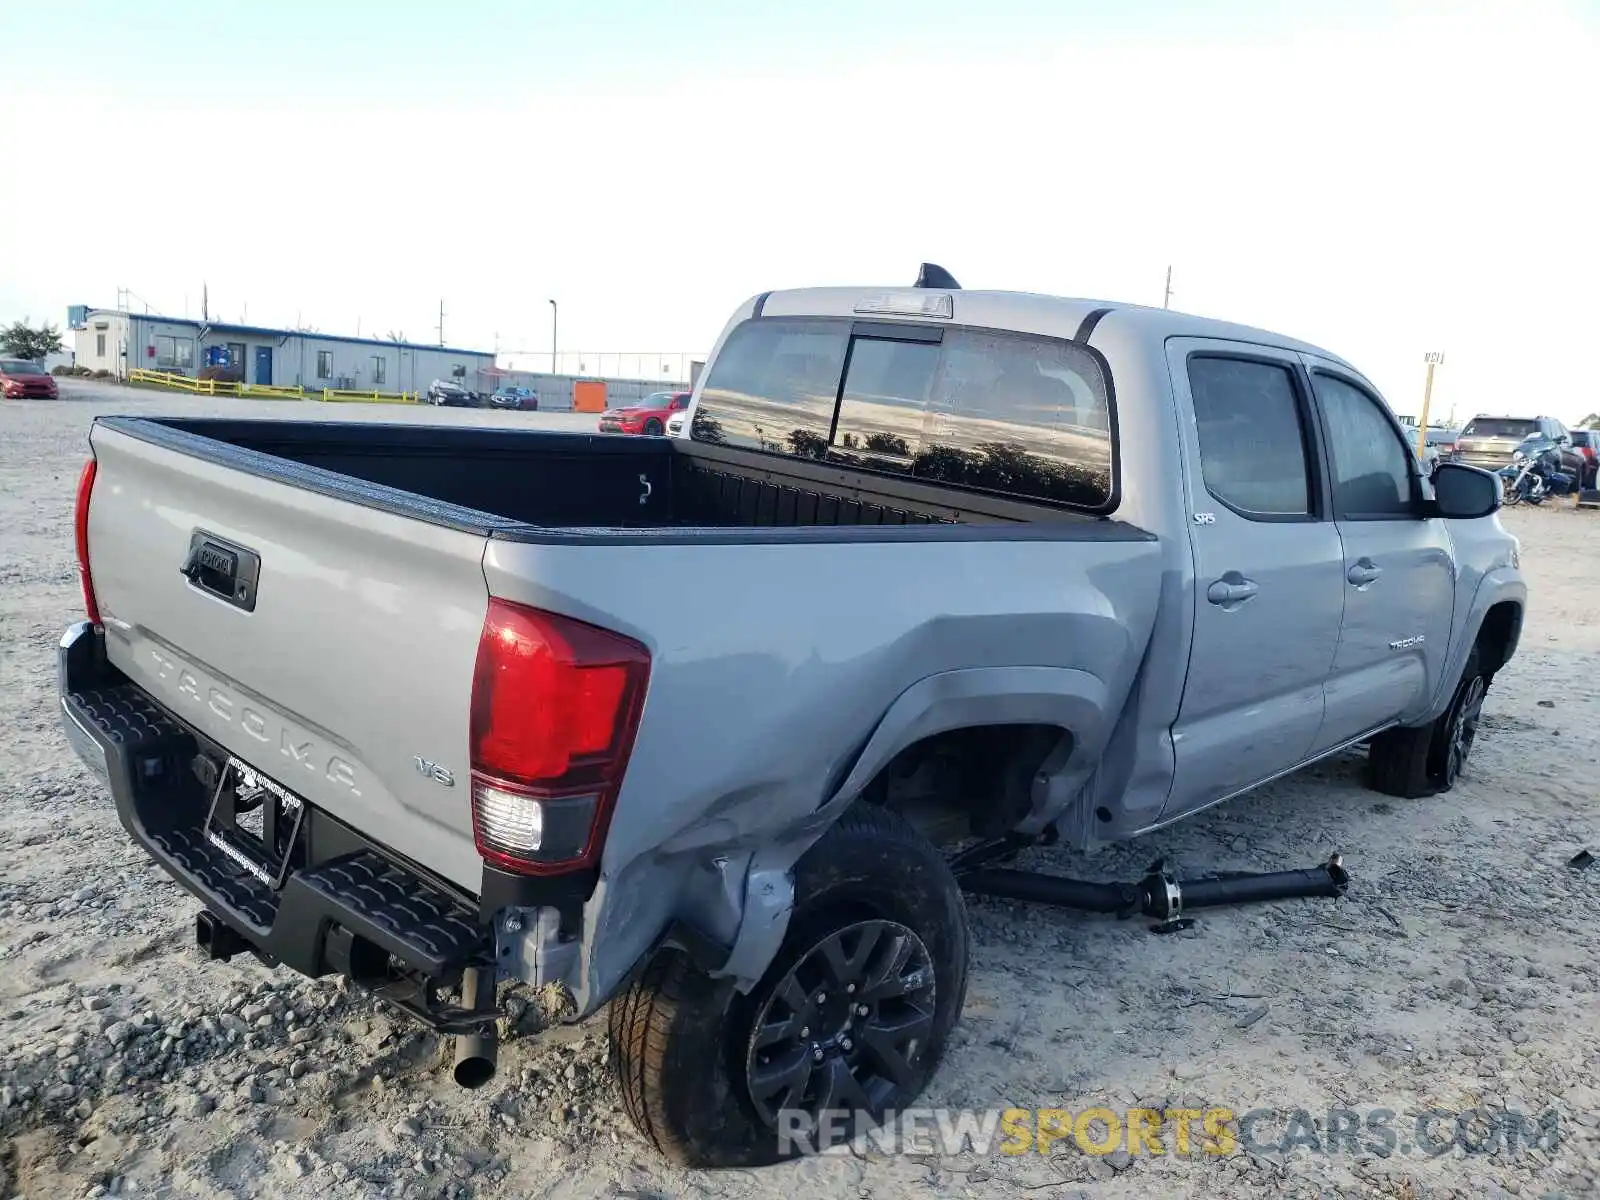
1363 572
1232 589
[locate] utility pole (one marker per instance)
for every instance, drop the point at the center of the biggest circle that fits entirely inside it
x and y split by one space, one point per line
554 312
441 321
1166 299
1433 358
205 304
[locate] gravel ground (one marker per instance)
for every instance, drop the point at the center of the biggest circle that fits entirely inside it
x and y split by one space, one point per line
1460 973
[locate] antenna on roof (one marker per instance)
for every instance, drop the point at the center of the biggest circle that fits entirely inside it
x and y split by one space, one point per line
932 275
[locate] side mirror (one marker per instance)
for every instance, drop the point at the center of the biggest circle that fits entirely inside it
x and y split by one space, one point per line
1463 493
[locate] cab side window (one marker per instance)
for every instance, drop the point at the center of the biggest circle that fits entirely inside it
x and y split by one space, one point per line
1252 436
1373 475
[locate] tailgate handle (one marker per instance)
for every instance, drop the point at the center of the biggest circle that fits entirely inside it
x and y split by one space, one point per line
222 569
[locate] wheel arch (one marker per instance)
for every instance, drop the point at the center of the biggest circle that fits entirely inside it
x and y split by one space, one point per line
1073 701
1070 701
1498 634
1492 623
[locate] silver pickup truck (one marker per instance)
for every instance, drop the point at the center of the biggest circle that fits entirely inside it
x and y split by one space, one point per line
927 568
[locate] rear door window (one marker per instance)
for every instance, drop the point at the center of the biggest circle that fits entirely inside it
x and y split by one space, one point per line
1252 433
1020 415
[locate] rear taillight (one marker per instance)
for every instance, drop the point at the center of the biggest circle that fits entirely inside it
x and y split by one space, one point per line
555 706
80 529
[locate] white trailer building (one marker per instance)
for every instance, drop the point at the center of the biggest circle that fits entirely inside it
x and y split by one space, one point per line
115 341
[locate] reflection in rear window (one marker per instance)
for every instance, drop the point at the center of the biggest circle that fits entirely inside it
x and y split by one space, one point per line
1499 427
1000 412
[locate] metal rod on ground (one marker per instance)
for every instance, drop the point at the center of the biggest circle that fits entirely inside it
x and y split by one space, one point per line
1158 894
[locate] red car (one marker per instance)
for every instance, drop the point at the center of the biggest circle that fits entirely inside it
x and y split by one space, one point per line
644 416
24 380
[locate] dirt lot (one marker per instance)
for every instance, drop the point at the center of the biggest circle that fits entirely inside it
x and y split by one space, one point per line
1461 972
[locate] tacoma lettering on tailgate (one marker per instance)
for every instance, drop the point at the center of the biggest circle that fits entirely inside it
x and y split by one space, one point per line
195 691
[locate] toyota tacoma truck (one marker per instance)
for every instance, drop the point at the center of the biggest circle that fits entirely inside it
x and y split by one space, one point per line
932 568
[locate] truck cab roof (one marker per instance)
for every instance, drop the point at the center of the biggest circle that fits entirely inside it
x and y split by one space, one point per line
1023 312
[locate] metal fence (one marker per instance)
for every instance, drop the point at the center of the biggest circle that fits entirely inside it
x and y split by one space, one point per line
556 391
674 366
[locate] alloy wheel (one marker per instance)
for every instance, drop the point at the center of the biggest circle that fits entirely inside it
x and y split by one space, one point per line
842 1032
1464 726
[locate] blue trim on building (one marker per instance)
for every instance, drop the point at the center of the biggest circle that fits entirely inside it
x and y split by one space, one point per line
219 327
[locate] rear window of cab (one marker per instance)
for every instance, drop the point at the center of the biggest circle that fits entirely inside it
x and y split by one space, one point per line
981 409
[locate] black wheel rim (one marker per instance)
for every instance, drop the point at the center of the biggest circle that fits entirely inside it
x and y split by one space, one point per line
1464 726
843 1031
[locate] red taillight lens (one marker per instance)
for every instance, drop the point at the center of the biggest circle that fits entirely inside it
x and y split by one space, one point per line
80 529
555 705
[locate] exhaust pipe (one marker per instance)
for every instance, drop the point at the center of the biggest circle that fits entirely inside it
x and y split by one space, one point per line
477 1054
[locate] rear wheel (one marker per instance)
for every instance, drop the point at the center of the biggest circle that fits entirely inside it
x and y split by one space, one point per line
849 1021
1427 760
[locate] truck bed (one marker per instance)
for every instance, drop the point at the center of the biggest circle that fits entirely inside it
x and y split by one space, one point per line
340 650
530 484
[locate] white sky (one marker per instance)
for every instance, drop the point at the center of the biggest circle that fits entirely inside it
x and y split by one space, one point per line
1380 179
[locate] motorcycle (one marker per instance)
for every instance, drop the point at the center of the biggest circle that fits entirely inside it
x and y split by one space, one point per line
1534 473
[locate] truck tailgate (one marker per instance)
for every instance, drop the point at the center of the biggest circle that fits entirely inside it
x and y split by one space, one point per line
348 659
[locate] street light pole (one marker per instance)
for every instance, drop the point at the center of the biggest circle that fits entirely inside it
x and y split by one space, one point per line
1433 358
554 312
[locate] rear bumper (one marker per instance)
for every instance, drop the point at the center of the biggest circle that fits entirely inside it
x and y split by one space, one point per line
348 906
1488 460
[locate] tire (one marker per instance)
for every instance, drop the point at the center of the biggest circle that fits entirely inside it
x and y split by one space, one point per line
684 1045
653 428
1428 760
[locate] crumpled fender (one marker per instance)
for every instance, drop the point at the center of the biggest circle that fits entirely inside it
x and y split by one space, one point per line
1074 700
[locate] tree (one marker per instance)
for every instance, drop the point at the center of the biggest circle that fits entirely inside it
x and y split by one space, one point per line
20 340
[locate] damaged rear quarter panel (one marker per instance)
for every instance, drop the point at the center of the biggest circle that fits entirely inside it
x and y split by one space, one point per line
773 668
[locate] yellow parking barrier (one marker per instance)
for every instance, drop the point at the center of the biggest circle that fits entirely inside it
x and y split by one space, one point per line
211 387
170 379
263 391
351 397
